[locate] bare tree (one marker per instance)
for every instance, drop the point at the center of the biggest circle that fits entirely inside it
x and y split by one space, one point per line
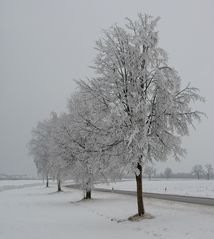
197 170
209 170
150 171
168 173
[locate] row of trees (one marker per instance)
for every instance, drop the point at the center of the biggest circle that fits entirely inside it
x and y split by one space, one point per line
132 112
198 170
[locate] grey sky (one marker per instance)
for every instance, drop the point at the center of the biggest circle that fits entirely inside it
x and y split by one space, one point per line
44 44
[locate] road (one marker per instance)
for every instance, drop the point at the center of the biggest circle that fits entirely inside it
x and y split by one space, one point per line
171 197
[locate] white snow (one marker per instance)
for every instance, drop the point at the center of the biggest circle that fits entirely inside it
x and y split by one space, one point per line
13 184
38 212
187 187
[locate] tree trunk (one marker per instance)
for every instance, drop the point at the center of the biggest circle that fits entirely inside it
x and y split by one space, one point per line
140 205
88 194
47 182
59 186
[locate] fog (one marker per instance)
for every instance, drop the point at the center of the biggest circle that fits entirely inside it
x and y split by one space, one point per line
45 45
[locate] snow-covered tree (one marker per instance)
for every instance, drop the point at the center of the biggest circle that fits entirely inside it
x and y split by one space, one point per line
49 156
86 135
209 170
198 170
61 159
39 149
146 106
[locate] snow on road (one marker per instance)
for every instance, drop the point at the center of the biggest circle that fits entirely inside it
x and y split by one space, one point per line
191 187
38 212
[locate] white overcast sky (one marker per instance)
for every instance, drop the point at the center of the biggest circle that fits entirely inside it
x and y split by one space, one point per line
45 44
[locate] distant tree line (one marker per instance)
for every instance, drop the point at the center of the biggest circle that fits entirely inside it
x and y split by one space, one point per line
198 171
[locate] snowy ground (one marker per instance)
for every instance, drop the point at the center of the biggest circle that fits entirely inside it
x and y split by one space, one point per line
37 212
191 187
12 184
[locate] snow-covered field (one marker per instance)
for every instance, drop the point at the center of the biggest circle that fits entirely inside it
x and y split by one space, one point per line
37 212
12 184
191 187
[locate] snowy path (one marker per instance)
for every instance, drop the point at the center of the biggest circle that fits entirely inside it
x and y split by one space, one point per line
38 212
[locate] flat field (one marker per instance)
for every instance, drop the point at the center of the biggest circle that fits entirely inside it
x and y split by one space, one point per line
37 212
186 187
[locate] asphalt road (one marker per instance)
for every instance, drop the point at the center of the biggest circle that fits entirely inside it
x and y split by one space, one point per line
171 197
